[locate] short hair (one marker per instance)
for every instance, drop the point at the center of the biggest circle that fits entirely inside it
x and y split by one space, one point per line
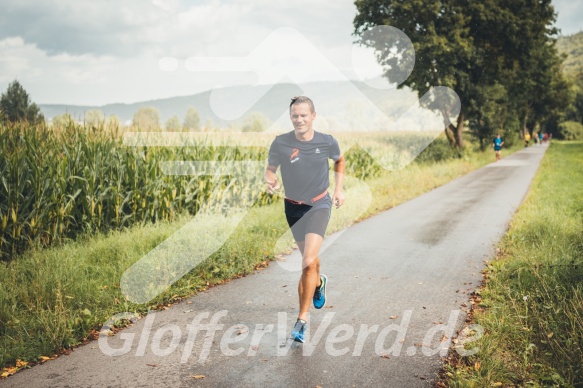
302 100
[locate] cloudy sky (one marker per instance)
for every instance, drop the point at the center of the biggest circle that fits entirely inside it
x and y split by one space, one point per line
97 52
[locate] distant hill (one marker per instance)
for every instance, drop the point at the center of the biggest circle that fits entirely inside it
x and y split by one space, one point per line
572 45
341 104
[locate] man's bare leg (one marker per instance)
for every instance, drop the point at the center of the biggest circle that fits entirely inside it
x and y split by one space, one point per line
310 278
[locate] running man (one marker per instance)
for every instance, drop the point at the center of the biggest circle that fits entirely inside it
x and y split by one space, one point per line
303 156
497 143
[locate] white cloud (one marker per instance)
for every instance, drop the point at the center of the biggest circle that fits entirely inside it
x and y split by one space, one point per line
96 80
87 52
98 52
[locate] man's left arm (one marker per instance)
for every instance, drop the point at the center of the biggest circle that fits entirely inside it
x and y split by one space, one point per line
339 170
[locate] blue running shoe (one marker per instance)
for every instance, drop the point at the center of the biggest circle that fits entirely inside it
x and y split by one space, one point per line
320 293
298 331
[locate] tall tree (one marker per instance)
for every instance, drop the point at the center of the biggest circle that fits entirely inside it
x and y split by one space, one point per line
490 115
555 94
473 47
16 106
440 37
255 122
576 111
192 120
147 118
537 88
173 124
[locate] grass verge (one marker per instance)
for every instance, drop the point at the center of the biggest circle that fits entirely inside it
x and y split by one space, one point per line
54 299
532 300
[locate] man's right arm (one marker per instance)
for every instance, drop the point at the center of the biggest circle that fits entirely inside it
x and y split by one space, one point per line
271 179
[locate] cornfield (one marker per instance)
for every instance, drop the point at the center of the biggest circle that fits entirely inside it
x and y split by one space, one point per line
58 182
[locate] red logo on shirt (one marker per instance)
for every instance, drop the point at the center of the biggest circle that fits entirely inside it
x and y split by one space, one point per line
294 153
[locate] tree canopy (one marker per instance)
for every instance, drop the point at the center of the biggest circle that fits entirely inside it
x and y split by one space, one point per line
255 122
192 120
499 56
15 105
147 119
571 47
173 124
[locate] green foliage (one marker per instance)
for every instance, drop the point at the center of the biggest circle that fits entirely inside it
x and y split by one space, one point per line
576 112
572 47
255 122
147 119
490 113
570 130
16 106
360 164
173 124
192 120
438 151
541 92
511 137
497 55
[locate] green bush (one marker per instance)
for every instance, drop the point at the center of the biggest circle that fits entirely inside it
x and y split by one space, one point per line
511 137
571 130
439 150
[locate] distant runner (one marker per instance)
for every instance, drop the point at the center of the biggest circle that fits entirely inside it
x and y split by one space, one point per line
497 143
526 138
303 156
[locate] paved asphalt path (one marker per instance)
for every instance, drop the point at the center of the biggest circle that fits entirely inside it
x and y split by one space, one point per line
402 277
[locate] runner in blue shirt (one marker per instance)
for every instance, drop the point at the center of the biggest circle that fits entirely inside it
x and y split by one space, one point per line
303 156
497 143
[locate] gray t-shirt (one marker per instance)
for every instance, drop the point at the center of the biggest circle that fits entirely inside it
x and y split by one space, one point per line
304 166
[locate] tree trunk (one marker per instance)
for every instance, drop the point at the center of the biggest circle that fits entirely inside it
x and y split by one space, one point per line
459 131
449 134
450 129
